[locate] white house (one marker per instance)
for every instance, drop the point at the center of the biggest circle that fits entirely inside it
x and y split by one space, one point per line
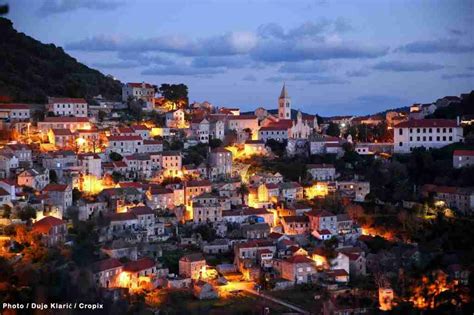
139 91
76 107
463 158
428 133
15 111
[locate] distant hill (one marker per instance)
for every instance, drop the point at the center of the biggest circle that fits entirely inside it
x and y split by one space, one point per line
30 71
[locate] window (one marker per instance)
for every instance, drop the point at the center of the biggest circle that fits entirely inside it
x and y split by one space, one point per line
400 132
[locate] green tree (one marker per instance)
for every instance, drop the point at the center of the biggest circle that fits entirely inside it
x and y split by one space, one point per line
114 156
333 130
174 93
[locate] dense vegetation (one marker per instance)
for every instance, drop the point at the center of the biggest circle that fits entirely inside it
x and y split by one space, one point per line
30 71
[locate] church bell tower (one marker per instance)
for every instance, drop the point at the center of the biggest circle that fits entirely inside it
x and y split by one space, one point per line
284 104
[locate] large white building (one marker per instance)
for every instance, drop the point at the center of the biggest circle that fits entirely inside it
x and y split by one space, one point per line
428 133
76 107
15 111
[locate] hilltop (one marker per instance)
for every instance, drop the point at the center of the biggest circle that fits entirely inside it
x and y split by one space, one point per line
30 71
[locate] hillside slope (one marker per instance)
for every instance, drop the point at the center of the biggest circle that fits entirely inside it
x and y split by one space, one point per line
30 71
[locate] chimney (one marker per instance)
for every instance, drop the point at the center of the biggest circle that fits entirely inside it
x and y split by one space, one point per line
458 121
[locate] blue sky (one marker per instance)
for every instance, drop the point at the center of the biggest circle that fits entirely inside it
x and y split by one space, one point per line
336 57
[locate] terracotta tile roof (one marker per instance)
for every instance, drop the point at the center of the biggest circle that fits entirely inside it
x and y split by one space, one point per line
142 210
122 216
240 117
140 127
463 153
423 123
139 265
46 223
62 132
151 142
125 138
274 128
66 119
160 191
53 100
55 187
337 273
107 264
299 259
139 85
198 183
192 257
255 243
14 106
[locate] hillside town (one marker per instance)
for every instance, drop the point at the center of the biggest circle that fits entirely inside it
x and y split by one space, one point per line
157 198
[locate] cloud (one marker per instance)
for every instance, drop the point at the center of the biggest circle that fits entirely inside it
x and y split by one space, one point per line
237 61
453 46
303 67
310 78
406 66
457 76
385 100
270 43
456 32
61 6
228 44
301 49
181 70
249 77
358 73
117 65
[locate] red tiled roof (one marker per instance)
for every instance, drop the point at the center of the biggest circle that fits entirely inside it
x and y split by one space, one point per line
53 100
463 153
151 142
324 232
198 183
271 128
299 259
423 123
122 216
192 257
119 164
125 138
66 119
46 223
240 117
125 130
141 210
337 273
107 264
140 127
14 106
139 265
62 132
55 187
139 85
130 184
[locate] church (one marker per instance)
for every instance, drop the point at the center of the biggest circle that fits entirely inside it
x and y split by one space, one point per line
299 127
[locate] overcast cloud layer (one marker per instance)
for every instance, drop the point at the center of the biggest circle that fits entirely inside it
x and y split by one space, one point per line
335 57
